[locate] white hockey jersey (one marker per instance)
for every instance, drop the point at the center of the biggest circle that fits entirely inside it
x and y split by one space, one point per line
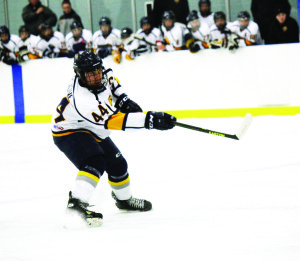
39 45
249 35
142 42
201 35
174 37
25 46
209 20
113 39
86 37
83 111
220 39
12 46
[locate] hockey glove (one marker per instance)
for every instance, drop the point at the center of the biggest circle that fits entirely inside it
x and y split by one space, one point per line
104 52
126 105
49 52
194 47
159 120
79 46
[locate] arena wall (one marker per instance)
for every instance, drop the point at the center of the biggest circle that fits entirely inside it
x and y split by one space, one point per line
262 80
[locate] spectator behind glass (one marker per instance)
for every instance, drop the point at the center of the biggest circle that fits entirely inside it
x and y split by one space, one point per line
35 14
68 18
205 14
284 28
263 14
180 9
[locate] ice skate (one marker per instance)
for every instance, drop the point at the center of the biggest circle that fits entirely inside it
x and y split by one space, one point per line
132 203
77 207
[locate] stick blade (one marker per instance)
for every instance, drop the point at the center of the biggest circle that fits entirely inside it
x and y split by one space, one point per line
245 125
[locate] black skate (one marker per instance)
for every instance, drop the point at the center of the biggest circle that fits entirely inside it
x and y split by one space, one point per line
132 203
76 206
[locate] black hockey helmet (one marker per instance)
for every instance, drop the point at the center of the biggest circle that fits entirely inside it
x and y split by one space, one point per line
146 20
244 15
168 15
4 30
218 15
104 21
126 32
45 26
75 25
86 61
204 2
192 16
23 29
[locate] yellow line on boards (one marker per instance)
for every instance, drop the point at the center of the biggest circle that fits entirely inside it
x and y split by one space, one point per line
186 114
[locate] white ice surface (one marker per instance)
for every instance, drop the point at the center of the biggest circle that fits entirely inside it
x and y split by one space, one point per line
213 198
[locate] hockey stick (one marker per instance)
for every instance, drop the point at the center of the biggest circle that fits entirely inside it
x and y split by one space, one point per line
241 131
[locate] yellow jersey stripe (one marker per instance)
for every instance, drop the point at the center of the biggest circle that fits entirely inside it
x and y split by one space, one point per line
71 132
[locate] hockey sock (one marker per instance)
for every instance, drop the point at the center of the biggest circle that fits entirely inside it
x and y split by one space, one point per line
85 185
121 187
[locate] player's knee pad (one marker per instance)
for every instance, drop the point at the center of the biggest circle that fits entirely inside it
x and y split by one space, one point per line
95 165
118 171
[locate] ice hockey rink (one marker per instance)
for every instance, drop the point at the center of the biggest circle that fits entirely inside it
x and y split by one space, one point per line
213 198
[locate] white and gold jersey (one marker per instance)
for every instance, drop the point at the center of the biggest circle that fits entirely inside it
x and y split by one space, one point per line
201 35
174 37
222 39
248 36
86 37
83 111
39 45
12 46
209 20
100 41
144 42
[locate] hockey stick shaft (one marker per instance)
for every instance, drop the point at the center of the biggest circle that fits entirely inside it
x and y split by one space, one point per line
221 134
241 131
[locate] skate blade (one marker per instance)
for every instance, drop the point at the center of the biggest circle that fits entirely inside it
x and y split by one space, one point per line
94 222
75 221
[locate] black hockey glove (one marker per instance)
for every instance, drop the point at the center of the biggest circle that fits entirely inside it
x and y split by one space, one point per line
79 46
126 105
193 47
104 52
49 52
159 120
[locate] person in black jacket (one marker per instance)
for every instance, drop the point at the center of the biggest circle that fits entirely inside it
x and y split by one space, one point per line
35 14
179 7
68 18
263 14
284 28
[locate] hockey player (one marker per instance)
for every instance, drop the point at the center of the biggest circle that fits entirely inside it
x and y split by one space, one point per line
79 39
25 43
205 14
9 50
48 44
95 104
221 33
172 33
198 38
107 39
246 29
145 40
